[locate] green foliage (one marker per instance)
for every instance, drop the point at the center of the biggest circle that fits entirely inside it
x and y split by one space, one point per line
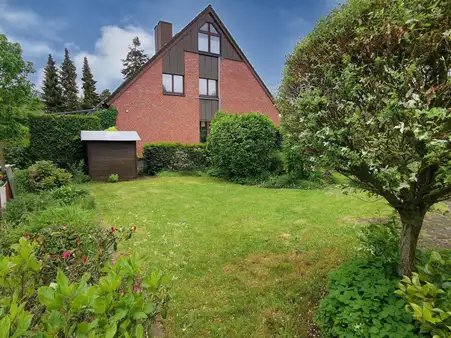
44 175
18 209
122 303
57 137
69 83
135 59
361 302
15 89
52 91
174 156
90 97
367 93
113 178
295 162
19 155
381 241
107 117
428 296
68 194
287 181
21 181
242 146
78 171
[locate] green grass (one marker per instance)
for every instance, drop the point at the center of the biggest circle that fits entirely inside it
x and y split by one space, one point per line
245 261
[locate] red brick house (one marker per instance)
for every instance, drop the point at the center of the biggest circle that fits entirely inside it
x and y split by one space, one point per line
193 74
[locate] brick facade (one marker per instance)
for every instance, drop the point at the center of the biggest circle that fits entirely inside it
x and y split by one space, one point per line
240 92
161 118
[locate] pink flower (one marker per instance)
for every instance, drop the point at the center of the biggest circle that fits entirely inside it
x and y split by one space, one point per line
27 236
113 229
85 259
66 254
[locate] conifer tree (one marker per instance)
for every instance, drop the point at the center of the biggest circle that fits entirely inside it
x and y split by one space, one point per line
135 59
52 94
69 84
90 97
104 95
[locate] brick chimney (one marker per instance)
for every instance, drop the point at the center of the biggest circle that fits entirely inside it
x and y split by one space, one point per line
163 33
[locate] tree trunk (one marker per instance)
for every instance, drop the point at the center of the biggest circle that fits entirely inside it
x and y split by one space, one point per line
412 221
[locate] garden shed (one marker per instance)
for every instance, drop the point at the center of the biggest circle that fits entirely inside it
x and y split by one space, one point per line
111 152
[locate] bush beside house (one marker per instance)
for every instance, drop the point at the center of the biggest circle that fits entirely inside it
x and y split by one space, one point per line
107 117
57 137
242 146
173 156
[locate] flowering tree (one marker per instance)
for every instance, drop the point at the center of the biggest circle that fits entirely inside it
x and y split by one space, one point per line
368 93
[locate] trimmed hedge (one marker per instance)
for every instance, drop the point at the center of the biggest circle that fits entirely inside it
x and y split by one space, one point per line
243 146
107 117
57 137
173 156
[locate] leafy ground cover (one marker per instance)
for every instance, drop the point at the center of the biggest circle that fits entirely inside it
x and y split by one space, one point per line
245 261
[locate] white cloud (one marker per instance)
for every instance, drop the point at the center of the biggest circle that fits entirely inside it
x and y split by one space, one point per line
32 48
110 48
15 21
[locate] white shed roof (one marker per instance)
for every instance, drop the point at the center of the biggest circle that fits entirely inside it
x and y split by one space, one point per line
88 135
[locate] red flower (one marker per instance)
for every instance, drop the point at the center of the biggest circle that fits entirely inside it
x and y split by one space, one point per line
66 254
113 229
85 260
27 236
134 228
65 226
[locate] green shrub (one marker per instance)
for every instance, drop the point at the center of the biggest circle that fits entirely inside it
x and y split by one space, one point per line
295 163
20 208
361 302
44 175
242 146
78 171
173 156
57 137
428 295
113 178
21 181
381 241
19 155
107 117
122 303
68 194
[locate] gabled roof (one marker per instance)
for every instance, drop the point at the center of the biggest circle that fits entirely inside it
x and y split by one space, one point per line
209 9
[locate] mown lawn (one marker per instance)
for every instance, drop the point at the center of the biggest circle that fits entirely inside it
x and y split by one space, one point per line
245 261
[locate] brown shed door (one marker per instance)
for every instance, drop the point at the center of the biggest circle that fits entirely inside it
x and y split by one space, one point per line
113 157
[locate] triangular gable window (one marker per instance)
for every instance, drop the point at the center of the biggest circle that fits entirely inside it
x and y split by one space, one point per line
209 39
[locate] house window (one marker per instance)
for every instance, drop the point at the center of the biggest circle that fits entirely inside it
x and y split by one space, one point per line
208 87
209 39
204 131
172 84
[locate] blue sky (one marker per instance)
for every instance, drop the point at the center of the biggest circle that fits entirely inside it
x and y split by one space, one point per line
102 29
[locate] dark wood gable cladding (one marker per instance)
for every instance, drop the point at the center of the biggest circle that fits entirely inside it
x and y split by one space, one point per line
208 67
187 40
174 58
208 108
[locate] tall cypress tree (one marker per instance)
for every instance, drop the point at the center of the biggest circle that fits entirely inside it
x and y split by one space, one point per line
90 97
135 59
69 84
52 93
